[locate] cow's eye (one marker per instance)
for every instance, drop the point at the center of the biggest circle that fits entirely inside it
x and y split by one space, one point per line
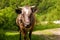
18 11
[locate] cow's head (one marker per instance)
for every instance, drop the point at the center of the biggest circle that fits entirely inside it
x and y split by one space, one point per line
26 13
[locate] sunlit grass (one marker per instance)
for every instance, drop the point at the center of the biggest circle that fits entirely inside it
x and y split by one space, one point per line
11 33
38 32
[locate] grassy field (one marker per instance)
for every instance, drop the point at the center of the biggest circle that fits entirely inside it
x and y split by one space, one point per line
14 35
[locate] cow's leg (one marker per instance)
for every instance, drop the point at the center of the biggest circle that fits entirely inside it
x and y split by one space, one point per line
25 38
20 36
24 33
30 33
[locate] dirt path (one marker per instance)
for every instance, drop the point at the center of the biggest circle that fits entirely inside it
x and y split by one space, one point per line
49 34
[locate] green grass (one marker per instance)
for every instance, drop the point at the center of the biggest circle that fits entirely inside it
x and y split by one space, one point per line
11 33
14 35
46 26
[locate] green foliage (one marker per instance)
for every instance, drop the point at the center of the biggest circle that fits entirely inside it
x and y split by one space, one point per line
8 17
48 10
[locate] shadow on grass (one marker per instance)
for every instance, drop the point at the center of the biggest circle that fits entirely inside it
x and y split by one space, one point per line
2 37
15 37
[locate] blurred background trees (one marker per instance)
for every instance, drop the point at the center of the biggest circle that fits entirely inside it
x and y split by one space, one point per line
49 10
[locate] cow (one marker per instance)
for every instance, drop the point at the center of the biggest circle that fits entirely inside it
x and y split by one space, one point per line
25 20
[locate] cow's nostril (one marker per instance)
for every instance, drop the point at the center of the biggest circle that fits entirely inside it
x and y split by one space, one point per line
26 24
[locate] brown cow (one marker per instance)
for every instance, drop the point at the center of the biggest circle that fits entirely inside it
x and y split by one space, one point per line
25 20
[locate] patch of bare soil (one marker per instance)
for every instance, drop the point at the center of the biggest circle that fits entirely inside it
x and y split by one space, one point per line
49 34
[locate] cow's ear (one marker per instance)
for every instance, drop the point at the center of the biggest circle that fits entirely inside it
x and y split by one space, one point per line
33 8
18 10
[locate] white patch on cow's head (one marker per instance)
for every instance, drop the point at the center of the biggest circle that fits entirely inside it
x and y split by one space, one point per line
26 10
